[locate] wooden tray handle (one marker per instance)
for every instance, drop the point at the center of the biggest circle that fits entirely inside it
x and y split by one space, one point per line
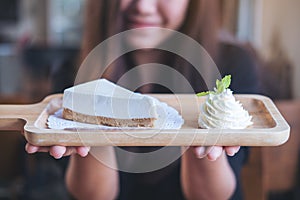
13 117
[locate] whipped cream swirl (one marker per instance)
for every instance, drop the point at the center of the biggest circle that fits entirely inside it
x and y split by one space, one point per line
223 111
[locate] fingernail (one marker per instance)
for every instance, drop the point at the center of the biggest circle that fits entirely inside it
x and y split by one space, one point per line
200 151
214 153
55 155
31 149
232 153
212 156
85 153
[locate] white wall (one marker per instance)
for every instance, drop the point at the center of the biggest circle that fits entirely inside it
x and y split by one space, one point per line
282 17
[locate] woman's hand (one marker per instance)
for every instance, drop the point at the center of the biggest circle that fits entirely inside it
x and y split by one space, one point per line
58 151
202 173
214 152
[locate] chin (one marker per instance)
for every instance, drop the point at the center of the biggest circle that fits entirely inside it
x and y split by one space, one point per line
141 43
146 37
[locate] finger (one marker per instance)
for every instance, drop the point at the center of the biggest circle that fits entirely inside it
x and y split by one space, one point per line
30 148
69 151
214 152
200 152
83 151
231 151
33 149
57 151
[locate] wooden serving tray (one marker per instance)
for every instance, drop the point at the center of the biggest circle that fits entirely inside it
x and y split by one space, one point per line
269 128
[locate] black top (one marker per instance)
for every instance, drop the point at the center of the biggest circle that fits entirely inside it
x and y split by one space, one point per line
165 183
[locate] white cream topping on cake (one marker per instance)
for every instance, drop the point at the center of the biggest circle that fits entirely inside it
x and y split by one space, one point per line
106 99
221 110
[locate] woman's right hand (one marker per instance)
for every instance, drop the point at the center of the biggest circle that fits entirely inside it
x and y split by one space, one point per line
58 151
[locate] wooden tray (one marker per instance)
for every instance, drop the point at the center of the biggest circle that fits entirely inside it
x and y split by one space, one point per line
269 128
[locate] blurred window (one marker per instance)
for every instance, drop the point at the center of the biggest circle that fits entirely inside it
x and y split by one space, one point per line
65 22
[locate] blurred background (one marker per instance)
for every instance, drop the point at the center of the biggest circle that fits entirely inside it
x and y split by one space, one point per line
41 38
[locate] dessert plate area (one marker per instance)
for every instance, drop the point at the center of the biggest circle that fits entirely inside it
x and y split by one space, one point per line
269 127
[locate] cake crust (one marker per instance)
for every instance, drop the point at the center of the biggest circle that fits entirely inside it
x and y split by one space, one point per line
74 116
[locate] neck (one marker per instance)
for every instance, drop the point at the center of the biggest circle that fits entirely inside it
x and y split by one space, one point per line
146 56
147 74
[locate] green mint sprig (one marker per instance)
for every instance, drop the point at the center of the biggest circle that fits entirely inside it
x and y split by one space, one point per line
220 86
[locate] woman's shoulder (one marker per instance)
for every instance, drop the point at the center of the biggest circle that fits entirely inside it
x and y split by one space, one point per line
235 51
229 45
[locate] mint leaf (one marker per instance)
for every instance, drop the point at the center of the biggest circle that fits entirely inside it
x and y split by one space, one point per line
201 94
223 84
226 81
220 86
218 83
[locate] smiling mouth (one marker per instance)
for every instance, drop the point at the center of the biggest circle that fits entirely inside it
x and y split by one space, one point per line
131 24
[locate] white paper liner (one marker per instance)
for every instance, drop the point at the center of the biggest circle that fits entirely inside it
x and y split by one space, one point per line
168 118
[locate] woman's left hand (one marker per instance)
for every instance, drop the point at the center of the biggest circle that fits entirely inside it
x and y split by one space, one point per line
58 151
214 152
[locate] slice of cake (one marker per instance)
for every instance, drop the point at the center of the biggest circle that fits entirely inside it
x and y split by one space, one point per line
221 110
105 103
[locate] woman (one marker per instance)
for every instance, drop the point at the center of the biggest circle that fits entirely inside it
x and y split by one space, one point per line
194 175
